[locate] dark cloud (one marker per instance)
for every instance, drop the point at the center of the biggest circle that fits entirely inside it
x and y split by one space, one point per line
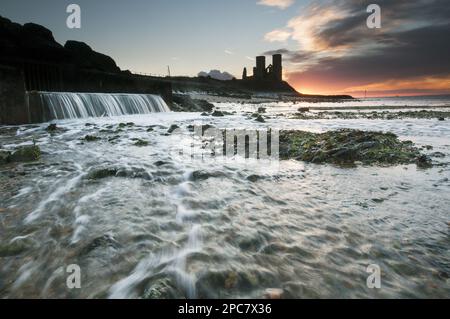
413 42
291 56
421 52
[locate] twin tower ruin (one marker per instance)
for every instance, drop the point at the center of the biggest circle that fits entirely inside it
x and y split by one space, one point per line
274 72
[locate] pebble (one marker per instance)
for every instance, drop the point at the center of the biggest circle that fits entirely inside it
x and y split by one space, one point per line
273 293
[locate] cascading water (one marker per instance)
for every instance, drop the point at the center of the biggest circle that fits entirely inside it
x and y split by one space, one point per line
65 105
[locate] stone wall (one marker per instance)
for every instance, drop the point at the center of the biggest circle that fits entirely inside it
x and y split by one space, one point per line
13 105
20 104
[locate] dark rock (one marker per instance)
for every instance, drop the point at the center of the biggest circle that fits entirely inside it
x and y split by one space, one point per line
140 142
51 128
13 249
163 288
160 163
102 173
217 113
91 138
346 146
4 157
423 161
441 119
204 175
104 241
113 138
437 154
172 128
184 103
261 109
26 154
303 109
191 128
260 119
254 178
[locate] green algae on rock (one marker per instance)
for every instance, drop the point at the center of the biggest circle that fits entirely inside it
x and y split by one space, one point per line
305 114
348 146
27 153
140 143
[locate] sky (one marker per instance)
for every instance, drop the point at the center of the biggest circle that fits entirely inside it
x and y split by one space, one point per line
326 45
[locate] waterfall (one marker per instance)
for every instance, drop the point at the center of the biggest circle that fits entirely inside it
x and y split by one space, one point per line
65 105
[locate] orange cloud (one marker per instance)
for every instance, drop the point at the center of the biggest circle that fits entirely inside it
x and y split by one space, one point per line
413 86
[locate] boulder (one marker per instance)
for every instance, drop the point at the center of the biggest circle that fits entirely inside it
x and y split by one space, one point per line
26 154
184 103
217 113
347 147
260 119
4 157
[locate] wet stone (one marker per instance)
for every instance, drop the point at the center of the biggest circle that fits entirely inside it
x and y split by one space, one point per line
141 143
91 138
260 119
172 128
348 147
217 114
4 157
26 154
104 241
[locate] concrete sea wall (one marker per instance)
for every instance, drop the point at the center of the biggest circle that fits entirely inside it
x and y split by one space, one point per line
20 103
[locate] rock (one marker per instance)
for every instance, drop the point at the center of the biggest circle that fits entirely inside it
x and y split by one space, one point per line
140 143
231 280
91 138
261 109
273 293
160 163
204 175
254 178
441 119
51 128
104 241
347 147
437 154
423 161
184 103
102 173
113 138
191 128
124 125
260 119
13 249
204 114
4 157
163 288
217 113
26 154
172 128
303 109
